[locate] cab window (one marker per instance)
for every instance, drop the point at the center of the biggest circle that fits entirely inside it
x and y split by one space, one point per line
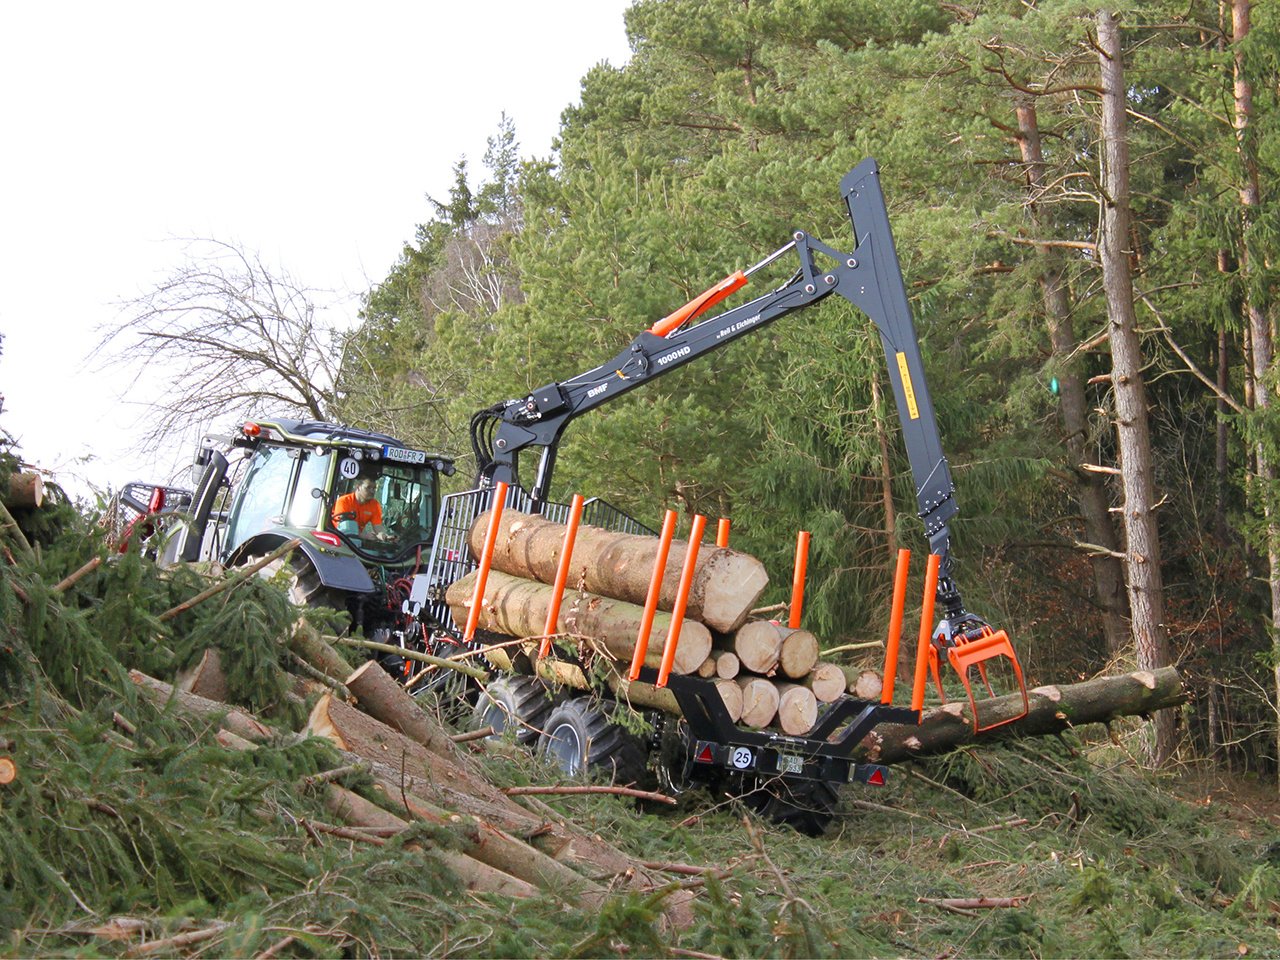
262 495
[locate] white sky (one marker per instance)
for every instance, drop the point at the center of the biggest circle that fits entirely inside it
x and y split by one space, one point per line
308 132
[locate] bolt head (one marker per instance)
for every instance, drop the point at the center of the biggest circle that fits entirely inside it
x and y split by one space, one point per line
809 288
501 443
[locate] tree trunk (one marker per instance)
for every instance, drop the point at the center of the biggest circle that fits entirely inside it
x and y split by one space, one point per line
726 584
1146 588
1259 325
1108 577
357 811
1053 710
25 490
384 699
518 608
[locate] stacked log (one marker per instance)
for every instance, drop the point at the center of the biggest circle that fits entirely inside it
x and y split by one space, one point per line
769 675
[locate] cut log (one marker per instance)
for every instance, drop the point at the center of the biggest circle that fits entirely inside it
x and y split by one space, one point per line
25 490
1053 710
707 668
728 665
798 654
867 685
726 584
827 682
797 709
357 811
308 643
518 608
757 645
206 678
759 701
165 695
381 697
731 694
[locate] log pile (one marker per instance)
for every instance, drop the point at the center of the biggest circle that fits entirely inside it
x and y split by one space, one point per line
769 675
420 774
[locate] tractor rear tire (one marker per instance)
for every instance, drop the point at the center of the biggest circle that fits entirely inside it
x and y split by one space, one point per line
578 737
807 806
519 702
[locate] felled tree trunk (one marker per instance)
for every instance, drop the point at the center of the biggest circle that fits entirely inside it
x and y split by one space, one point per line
206 678
518 608
1053 710
726 584
25 490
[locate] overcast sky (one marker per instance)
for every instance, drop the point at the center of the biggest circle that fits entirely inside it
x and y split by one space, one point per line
308 132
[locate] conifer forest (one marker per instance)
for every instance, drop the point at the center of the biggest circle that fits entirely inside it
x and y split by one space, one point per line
1083 202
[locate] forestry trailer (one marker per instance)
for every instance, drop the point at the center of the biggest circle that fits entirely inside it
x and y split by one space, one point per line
395 584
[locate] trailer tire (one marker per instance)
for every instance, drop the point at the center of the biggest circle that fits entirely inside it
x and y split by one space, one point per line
578 737
520 702
807 806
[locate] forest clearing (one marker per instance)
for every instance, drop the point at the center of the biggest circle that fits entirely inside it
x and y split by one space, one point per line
362 687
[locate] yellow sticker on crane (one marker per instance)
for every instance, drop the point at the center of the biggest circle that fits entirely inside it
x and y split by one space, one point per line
908 391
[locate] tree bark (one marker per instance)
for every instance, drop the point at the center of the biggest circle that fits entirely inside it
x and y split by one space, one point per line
1053 710
164 695
384 699
1145 583
357 811
518 608
726 584
1108 577
1261 339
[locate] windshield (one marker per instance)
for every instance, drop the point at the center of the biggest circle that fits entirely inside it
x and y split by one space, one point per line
382 507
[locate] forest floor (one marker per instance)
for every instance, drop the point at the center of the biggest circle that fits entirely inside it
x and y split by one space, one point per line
130 830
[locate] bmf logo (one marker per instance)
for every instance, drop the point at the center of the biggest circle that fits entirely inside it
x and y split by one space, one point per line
596 391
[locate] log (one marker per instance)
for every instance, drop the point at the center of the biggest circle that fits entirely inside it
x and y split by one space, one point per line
25 490
726 584
759 701
1052 710
707 668
357 811
307 642
757 645
384 699
728 665
164 695
797 709
867 685
827 682
518 608
206 678
799 653
731 694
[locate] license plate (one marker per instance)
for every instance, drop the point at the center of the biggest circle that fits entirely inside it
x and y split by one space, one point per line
790 764
403 455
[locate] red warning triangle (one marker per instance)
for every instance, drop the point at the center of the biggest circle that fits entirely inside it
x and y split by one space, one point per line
877 778
705 755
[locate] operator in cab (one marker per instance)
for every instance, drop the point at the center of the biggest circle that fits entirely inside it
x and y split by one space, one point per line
359 512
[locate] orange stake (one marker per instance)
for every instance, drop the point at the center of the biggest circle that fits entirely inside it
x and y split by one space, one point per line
722 532
926 630
655 589
486 558
895 625
682 599
797 578
562 573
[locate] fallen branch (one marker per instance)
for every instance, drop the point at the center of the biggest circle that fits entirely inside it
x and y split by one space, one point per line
337 773
70 579
568 791
473 735
474 673
230 581
966 905
172 945
864 645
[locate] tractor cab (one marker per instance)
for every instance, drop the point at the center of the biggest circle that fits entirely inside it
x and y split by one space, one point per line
342 490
